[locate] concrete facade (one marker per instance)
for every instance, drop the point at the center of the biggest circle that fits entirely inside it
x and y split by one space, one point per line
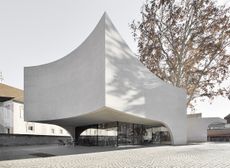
12 116
197 129
102 81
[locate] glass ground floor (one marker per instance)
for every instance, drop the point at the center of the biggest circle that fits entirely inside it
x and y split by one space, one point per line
121 133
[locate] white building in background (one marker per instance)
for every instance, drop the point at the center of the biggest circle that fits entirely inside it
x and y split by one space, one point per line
12 116
197 128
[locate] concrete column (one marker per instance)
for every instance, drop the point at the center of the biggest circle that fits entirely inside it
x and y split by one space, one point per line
78 131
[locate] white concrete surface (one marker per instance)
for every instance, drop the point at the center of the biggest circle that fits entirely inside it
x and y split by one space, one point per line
197 128
103 81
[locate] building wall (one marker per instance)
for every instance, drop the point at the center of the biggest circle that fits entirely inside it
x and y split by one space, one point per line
12 117
227 118
132 88
6 117
197 128
102 73
72 85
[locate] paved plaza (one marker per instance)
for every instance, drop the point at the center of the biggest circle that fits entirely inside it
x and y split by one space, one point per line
200 155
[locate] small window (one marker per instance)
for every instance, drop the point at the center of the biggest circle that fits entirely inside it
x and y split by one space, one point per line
21 111
31 128
21 114
61 131
52 131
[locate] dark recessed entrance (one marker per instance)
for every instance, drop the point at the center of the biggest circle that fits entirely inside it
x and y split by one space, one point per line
121 133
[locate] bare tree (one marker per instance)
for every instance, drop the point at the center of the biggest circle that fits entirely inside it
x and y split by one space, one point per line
185 43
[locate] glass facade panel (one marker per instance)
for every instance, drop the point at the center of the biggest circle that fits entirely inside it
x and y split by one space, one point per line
138 134
120 133
107 134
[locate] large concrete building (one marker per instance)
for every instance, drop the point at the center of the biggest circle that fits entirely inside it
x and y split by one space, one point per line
12 116
103 95
102 85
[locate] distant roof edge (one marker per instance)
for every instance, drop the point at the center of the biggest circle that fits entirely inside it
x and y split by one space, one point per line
194 115
9 92
227 117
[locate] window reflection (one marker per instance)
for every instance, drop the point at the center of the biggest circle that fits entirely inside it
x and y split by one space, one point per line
121 133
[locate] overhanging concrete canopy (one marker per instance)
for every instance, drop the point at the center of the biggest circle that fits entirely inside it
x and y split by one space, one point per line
104 115
101 81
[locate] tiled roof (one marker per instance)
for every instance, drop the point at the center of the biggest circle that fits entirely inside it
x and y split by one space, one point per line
7 91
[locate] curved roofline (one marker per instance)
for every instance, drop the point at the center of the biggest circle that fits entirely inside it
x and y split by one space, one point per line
69 54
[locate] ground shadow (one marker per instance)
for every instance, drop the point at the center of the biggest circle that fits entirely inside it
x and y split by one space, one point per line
38 151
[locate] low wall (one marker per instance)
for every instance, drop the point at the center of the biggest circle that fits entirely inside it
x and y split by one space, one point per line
24 139
197 128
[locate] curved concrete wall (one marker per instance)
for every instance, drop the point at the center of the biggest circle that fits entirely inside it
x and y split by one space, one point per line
132 88
103 78
72 85
197 128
